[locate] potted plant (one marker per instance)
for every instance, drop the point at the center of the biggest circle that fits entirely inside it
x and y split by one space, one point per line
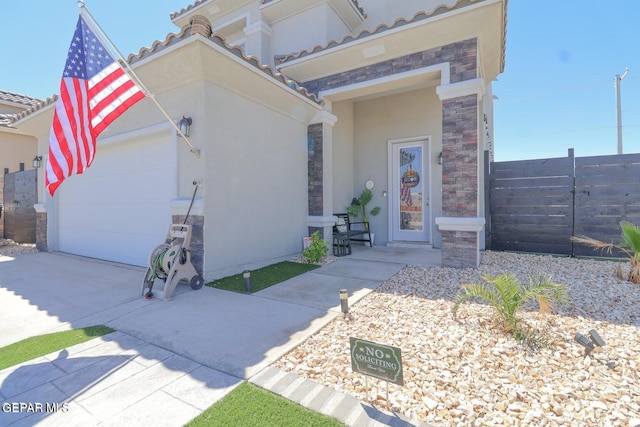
358 208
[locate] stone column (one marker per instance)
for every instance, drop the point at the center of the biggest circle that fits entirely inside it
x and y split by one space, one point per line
320 174
41 227
461 222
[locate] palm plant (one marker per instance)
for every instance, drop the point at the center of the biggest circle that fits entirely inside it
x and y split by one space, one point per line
507 296
629 244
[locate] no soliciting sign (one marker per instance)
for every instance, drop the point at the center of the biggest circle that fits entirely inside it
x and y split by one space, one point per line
377 360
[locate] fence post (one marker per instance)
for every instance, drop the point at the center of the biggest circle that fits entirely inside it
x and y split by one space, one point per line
572 158
487 201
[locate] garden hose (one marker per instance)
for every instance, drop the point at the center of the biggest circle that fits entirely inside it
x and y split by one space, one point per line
161 260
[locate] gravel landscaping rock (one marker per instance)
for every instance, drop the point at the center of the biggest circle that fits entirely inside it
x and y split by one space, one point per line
10 248
469 372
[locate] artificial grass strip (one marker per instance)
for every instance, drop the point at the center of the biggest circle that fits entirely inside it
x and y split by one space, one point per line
248 405
263 277
41 345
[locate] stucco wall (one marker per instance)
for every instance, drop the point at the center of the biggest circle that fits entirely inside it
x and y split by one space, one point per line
16 149
376 121
255 185
312 27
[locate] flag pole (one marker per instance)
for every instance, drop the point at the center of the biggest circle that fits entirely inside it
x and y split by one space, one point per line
84 11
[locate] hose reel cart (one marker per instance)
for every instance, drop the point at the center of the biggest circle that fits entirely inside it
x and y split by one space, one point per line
171 262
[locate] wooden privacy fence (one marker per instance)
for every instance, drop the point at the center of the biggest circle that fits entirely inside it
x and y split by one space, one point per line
18 213
537 205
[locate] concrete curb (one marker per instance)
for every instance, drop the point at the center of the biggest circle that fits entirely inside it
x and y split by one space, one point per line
341 406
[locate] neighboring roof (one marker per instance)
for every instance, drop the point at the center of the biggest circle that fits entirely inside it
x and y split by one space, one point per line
17 98
5 119
37 106
279 60
201 25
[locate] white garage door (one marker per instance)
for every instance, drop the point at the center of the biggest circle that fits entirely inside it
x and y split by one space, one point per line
119 209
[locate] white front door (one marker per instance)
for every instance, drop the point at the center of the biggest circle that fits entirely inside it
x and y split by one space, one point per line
410 219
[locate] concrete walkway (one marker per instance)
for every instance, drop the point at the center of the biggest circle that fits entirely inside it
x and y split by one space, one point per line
170 360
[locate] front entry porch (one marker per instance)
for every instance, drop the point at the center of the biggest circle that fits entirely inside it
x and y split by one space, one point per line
422 257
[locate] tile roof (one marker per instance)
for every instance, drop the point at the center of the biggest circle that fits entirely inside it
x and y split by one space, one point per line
186 9
201 25
379 29
199 2
17 98
355 3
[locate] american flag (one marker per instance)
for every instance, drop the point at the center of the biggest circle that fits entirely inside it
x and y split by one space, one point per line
405 195
94 91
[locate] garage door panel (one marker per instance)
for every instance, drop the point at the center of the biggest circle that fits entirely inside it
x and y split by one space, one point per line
119 209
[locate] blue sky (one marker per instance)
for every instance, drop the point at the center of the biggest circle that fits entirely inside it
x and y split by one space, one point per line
556 91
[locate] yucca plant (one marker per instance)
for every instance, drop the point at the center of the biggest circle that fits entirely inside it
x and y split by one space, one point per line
629 244
507 295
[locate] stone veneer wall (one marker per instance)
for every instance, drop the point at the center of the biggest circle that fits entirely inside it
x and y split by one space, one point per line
197 238
41 232
461 57
460 177
315 176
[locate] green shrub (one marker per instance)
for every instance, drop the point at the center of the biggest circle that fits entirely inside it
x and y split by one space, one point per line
317 250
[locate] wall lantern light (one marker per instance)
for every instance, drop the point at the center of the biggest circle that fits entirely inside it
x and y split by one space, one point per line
440 158
185 125
37 161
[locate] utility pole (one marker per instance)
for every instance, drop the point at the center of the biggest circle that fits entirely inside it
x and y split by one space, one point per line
618 81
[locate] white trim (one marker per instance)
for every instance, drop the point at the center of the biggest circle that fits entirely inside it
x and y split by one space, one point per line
258 27
181 206
446 223
234 20
463 88
40 208
324 117
321 221
444 69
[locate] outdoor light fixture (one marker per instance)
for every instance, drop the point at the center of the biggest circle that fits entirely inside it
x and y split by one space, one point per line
440 158
36 162
589 344
344 301
596 338
185 125
585 342
246 275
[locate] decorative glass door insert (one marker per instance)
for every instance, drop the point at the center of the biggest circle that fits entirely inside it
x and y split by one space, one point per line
410 201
